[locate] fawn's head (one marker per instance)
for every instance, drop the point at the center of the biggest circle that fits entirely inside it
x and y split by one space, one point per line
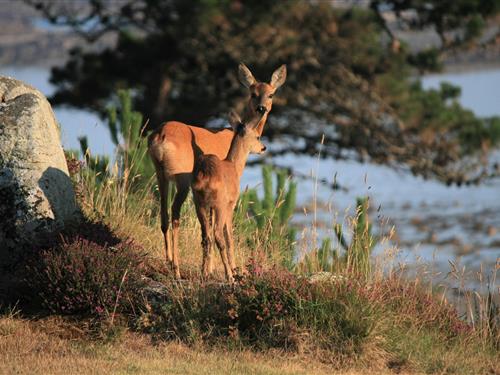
247 132
261 93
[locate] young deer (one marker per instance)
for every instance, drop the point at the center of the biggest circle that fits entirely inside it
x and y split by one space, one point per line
173 148
216 188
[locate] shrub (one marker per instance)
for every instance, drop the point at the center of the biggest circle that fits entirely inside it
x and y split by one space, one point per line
280 309
342 320
418 308
85 277
474 27
271 308
427 60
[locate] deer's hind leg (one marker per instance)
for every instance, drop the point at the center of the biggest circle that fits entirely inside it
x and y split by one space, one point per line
182 183
164 187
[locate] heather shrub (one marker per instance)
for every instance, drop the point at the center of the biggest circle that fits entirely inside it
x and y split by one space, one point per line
277 308
341 320
84 277
264 309
91 231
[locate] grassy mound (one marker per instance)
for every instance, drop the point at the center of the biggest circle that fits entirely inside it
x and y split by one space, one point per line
108 275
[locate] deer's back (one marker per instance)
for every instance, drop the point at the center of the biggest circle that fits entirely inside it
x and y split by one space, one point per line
215 182
175 146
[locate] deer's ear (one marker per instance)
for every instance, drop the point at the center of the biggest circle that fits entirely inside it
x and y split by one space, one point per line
254 121
245 75
279 76
234 119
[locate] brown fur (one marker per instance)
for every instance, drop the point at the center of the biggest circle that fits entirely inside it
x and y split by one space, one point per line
175 146
216 187
206 168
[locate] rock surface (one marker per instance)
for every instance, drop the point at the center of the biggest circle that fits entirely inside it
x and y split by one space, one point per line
36 194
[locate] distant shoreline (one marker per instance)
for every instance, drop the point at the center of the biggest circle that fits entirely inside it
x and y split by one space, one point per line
459 68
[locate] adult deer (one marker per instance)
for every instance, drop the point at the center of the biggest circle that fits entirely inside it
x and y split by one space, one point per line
173 147
216 188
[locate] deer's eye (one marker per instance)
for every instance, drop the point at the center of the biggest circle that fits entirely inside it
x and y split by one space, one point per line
271 96
258 138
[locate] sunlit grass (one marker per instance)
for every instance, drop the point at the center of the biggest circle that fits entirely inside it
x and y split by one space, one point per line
57 346
415 328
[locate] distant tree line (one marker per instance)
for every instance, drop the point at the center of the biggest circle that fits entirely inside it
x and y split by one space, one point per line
346 79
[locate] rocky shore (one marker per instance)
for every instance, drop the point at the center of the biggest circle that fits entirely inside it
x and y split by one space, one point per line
27 40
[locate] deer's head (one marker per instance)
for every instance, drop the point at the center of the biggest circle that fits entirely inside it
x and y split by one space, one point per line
261 93
248 132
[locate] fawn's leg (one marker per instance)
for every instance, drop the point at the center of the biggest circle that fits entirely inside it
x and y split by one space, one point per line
220 240
228 232
183 185
206 238
210 259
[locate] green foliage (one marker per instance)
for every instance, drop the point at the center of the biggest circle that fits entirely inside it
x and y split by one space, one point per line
354 257
327 256
474 26
126 130
339 68
444 125
98 164
126 124
485 133
449 91
362 244
427 60
270 216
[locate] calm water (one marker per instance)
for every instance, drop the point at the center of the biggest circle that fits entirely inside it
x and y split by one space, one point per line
480 90
432 221
74 123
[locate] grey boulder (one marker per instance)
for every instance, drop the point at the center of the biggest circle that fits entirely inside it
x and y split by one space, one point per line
36 194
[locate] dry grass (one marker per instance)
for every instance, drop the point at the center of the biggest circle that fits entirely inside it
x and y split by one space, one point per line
406 339
136 215
54 346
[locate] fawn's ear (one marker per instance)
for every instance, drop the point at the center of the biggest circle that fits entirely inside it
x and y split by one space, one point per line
245 75
234 119
279 76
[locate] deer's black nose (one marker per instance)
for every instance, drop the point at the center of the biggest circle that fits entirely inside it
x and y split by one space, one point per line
261 109
264 148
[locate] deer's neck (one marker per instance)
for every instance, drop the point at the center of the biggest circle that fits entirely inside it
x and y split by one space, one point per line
238 154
